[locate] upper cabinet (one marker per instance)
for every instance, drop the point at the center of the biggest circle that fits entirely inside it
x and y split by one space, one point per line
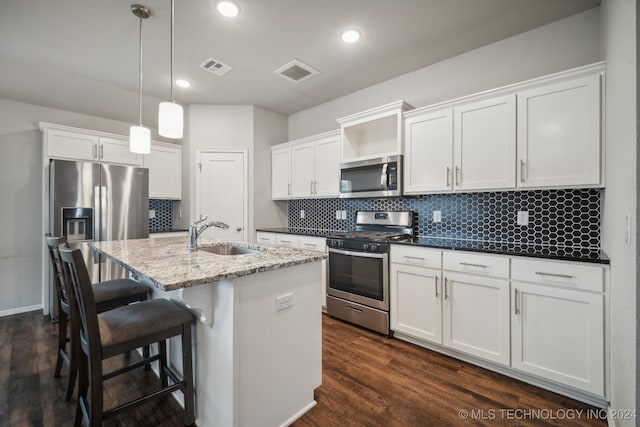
473 143
63 142
559 134
165 171
306 168
470 147
373 133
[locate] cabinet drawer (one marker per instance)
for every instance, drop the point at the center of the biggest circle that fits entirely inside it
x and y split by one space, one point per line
558 273
290 240
421 257
312 243
264 238
486 265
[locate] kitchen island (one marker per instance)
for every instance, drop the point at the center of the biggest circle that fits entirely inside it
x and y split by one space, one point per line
259 340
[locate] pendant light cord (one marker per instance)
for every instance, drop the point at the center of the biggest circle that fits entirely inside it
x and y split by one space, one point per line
172 43
140 84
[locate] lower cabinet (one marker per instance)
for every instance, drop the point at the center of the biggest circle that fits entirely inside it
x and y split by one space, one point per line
476 316
558 332
543 318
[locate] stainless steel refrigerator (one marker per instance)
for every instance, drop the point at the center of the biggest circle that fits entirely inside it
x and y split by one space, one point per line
93 202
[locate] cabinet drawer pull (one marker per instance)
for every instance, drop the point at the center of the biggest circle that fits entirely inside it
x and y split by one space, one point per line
446 293
448 176
516 301
523 170
265 239
436 285
564 276
470 264
419 258
311 245
285 241
357 310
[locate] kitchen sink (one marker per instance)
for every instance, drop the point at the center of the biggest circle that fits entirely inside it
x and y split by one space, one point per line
229 249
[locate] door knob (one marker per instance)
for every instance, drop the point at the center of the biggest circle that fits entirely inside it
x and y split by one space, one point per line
238 228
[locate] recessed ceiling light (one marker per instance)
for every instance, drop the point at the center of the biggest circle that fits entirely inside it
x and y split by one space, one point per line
350 36
183 83
228 8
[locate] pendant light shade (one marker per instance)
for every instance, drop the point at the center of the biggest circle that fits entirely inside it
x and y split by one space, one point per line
140 136
170 120
139 140
170 115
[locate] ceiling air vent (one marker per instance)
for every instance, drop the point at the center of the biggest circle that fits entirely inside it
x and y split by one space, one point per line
296 71
216 67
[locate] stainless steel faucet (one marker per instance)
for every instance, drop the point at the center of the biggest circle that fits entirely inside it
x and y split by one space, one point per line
195 232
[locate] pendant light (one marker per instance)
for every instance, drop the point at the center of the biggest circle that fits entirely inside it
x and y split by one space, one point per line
140 136
170 117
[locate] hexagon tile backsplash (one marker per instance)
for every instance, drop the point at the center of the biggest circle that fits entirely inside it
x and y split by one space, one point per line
556 217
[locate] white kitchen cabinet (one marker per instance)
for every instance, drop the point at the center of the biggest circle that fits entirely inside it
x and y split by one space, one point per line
557 322
476 305
416 303
165 171
373 133
484 144
281 172
265 238
307 168
559 134
302 173
68 143
428 152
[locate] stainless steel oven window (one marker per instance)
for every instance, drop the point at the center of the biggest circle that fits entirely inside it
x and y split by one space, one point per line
359 276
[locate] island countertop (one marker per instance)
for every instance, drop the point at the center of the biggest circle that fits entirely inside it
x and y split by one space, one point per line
169 265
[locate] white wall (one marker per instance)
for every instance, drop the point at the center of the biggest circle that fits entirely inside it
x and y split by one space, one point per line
21 194
558 46
619 47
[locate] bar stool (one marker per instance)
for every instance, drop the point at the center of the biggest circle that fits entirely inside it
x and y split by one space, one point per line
119 331
108 294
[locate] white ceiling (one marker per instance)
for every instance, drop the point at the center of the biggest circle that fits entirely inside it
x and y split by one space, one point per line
82 55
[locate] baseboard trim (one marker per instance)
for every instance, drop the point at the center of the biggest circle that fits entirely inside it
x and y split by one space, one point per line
19 310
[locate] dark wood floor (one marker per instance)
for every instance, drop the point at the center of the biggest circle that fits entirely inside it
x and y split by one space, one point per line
368 380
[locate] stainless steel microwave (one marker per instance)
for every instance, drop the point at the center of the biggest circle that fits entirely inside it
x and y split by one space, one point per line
379 177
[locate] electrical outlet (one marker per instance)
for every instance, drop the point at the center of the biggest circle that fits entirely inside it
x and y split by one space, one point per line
152 213
437 216
301 213
343 215
284 301
523 218
338 215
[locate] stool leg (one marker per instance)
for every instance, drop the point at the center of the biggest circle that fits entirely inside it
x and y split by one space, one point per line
95 391
162 350
62 341
187 369
74 350
83 384
146 353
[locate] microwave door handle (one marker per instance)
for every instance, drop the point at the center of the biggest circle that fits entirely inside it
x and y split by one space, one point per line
384 178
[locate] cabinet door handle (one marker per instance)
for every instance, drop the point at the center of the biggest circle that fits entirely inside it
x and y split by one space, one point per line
289 189
448 176
311 187
470 264
564 276
523 170
458 178
436 285
95 151
446 293
101 150
515 301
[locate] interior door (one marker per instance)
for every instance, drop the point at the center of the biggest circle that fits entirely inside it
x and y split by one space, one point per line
222 193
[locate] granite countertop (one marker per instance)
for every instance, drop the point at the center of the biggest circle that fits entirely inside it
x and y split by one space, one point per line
592 255
168 264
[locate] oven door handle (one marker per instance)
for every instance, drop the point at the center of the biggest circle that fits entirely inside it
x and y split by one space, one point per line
355 253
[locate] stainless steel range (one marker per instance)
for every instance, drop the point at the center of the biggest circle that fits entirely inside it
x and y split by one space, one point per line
358 288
